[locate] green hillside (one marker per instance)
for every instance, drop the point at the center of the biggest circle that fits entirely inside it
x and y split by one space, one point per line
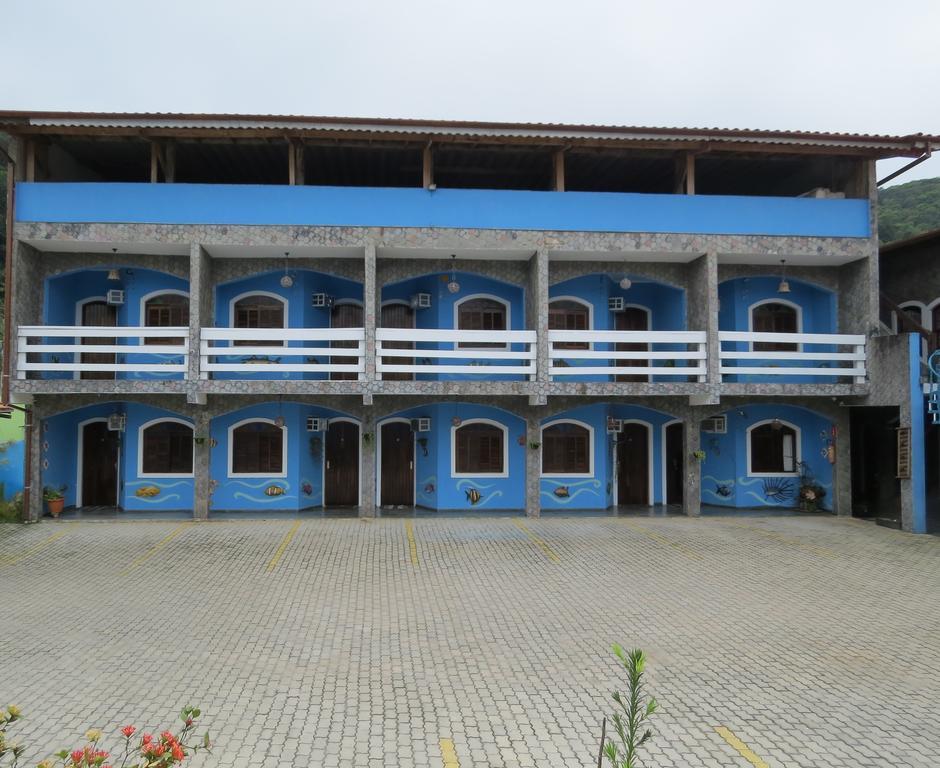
908 209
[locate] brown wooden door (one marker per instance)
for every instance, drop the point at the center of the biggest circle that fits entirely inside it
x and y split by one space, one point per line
675 484
102 314
341 478
398 316
633 465
345 316
99 465
631 319
398 477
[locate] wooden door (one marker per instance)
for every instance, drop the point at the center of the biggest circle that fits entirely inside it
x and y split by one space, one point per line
631 319
341 476
345 316
398 474
633 465
99 465
398 316
675 484
102 314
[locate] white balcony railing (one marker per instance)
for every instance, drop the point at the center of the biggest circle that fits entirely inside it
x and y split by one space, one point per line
628 354
89 351
337 353
809 354
406 352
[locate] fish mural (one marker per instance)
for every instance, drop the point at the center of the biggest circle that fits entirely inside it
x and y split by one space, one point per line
723 489
778 489
473 496
306 488
474 492
429 488
562 492
269 492
147 491
152 493
566 492
274 490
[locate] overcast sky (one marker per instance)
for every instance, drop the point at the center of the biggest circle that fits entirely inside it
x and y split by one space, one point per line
834 65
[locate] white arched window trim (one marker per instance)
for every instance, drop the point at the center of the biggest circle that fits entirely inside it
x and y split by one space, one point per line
590 431
583 303
140 444
231 445
283 299
495 298
453 449
926 312
774 300
142 316
797 449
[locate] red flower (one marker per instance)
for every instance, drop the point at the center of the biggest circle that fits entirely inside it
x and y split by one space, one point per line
77 756
146 738
128 731
189 722
178 753
158 749
168 737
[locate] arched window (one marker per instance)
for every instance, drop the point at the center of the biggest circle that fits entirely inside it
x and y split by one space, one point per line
479 448
569 315
567 449
258 310
915 314
166 310
257 448
166 448
773 448
775 317
482 313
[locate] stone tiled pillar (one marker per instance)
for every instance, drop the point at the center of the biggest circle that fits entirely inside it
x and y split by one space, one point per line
371 303
202 448
201 312
842 471
533 465
702 301
367 481
691 442
537 319
35 510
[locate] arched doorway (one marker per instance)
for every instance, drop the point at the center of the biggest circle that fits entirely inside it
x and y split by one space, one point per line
632 319
396 463
633 464
98 313
398 315
98 474
341 467
346 315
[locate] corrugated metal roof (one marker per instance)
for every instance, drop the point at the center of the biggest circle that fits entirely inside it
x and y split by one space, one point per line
550 132
923 238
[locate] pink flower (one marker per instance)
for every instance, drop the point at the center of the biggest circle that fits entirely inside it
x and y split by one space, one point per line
146 738
77 756
128 731
177 751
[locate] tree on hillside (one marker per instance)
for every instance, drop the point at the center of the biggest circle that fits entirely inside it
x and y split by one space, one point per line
908 209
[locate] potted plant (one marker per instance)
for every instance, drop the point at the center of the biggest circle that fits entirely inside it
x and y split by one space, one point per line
55 500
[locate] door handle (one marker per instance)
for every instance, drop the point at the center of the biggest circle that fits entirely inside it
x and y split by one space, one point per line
327 464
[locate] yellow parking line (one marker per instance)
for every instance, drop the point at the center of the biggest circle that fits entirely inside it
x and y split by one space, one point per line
412 545
156 548
550 553
14 559
449 754
660 539
741 747
283 546
811 548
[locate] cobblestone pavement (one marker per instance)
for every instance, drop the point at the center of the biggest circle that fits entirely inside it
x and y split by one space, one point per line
814 640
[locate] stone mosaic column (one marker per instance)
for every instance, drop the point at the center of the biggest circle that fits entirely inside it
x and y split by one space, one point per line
533 465
369 440
370 303
35 510
702 301
537 319
202 483
691 442
201 306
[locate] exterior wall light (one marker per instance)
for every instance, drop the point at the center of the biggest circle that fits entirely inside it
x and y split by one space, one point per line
625 282
784 286
114 275
286 281
453 286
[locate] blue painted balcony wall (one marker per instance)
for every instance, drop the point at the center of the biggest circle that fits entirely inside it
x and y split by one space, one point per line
726 480
437 487
450 208
816 312
664 304
65 294
442 314
299 313
598 491
299 486
62 457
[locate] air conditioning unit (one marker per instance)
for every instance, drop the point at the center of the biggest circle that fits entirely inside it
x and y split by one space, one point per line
117 422
615 303
420 301
715 425
116 297
315 425
614 426
321 300
421 425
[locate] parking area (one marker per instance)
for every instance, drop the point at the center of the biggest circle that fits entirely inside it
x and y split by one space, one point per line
777 641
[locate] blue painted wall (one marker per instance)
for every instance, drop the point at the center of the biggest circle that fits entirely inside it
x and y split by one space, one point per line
441 315
725 480
666 305
61 447
817 307
12 453
435 486
303 485
458 208
597 492
63 294
300 313
918 434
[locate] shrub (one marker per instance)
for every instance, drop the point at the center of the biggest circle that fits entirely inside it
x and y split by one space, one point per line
635 711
